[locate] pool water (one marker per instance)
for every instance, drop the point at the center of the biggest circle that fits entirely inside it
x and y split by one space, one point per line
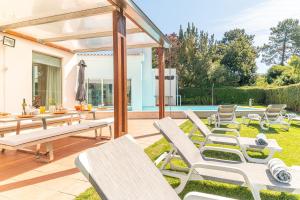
194 108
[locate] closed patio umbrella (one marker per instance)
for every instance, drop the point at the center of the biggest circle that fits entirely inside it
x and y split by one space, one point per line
81 91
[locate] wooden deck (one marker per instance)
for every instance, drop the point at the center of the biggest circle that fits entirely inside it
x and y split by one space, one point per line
22 177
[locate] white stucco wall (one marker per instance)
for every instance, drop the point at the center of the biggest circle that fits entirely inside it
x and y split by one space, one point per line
148 79
101 67
16 73
170 86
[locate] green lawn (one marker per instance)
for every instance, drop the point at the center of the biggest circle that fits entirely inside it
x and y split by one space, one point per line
289 141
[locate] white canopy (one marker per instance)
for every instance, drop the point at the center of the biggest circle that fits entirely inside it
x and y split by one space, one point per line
78 25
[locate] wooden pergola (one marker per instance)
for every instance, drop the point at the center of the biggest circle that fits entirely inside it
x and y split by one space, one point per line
86 26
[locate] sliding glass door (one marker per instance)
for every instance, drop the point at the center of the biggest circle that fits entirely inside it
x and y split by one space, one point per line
100 92
46 80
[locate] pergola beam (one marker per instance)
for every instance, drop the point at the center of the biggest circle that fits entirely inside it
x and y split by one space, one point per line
109 48
86 35
59 17
120 74
137 16
161 81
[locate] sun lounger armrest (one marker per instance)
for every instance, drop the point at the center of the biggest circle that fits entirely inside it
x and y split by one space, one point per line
223 136
233 151
236 132
203 196
222 168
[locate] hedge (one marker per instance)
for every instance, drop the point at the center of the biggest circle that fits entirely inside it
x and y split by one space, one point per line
228 95
289 95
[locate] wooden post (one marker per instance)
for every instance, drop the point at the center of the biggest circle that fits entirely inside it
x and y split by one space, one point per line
161 75
120 73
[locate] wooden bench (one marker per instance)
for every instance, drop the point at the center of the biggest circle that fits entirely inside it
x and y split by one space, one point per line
19 142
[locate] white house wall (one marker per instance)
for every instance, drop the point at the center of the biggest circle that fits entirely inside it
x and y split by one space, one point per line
101 67
16 71
170 86
148 79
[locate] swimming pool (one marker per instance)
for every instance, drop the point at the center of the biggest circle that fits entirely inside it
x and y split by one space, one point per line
194 108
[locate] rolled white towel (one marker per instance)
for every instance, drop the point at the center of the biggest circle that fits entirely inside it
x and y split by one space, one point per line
261 139
279 170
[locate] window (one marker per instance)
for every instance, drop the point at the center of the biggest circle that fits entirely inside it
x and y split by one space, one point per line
46 80
100 92
94 92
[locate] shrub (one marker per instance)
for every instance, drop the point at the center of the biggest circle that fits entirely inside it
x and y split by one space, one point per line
226 95
289 95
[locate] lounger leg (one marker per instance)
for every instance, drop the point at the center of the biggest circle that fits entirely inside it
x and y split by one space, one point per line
287 126
256 160
255 192
209 121
183 182
193 131
249 122
262 126
166 160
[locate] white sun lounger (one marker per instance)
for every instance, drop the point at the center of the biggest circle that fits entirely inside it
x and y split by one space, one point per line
19 142
244 143
120 170
274 116
255 176
226 115
293 118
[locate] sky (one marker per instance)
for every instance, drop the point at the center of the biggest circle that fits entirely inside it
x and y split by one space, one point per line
219 16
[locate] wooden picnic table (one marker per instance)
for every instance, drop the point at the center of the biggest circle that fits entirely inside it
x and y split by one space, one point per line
42 117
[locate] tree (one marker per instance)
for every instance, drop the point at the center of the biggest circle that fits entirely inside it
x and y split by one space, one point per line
261 81
281 43
195 56
232 35
296 40
171 54
239 55
295 63
281 75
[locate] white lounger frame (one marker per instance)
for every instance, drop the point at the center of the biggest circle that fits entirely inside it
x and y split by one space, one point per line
267 121
187 174
235 136
221 121
102 166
